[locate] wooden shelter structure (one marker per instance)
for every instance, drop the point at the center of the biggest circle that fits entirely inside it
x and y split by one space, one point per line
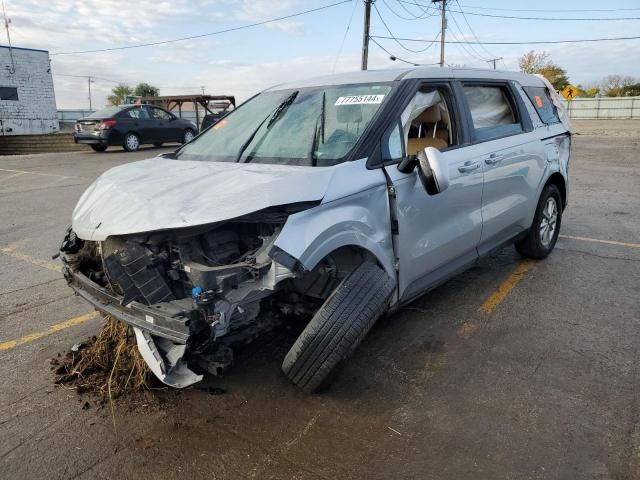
210 103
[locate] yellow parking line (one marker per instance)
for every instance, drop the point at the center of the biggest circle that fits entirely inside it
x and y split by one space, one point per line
28 258
53 329
595 240
505 287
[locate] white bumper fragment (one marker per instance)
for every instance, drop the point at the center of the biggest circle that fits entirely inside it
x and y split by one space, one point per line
173 372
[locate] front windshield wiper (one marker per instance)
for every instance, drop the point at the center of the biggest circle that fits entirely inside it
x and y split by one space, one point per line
319 126
272 119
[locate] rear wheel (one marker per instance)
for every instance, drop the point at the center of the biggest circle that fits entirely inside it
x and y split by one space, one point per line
131 142
544 231
338 326
98 148
188 135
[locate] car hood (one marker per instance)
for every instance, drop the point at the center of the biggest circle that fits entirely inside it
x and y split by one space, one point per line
160 193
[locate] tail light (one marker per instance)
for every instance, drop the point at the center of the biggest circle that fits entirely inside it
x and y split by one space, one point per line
106 124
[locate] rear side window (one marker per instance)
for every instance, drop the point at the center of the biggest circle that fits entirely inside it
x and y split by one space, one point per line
541 101
493 111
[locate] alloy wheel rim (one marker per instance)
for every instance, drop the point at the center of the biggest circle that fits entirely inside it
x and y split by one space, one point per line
188 136
132 142
548 222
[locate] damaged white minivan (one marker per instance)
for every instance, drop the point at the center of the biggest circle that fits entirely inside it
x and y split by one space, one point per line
341 197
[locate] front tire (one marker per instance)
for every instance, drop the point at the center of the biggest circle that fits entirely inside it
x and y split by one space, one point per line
188 135
131 142
544 231
338 326
98 148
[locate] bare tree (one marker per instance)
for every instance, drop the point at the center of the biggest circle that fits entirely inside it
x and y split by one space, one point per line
533 62
613 85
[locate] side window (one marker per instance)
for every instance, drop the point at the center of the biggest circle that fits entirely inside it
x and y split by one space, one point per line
159 114
427 121
392 145
493 111
137 113
541 101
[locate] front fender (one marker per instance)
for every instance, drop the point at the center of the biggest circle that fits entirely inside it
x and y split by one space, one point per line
361 219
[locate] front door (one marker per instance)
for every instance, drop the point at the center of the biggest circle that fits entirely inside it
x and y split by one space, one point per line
437 235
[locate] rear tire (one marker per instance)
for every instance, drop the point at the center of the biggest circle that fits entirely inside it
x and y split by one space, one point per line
544 231
131 142
338 326
188 135
98 148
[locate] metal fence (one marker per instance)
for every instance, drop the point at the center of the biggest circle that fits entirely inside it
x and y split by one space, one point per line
604 108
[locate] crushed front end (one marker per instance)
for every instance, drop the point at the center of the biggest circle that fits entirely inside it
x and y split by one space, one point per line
190 294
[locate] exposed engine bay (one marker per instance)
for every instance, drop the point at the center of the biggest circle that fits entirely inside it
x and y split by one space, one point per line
193 294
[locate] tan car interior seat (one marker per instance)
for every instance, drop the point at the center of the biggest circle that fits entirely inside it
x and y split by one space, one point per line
430 129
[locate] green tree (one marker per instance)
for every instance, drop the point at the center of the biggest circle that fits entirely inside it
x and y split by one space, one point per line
119 94
541 63
146 90
632 90
557 76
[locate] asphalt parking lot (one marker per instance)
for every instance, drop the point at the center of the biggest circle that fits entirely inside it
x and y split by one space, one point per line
514 369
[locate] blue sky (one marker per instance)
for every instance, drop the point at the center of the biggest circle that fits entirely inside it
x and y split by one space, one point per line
246 61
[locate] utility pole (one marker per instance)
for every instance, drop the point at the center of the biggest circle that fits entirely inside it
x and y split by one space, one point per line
494 60
443 28
365 36
202 87
89 81
7 21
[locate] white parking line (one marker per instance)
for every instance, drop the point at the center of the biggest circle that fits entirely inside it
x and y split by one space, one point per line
11 176
36 173
595 240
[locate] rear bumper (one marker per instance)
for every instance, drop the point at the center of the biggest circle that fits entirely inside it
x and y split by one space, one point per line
172 327
103 137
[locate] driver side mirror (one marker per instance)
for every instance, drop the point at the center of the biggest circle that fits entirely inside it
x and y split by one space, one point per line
432 169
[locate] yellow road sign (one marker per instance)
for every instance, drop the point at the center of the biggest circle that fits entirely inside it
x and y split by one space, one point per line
569 92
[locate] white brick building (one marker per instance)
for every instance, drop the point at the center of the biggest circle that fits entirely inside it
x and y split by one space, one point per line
27 99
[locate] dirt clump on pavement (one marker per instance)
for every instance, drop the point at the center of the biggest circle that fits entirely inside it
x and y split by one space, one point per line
108 365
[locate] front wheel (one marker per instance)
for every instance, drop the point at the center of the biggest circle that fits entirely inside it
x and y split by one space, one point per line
338 326
98 148
131 142
188 135
544 231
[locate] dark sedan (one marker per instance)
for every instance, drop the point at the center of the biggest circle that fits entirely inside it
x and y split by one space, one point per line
130 126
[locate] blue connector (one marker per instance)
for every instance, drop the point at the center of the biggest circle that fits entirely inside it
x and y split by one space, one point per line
196 292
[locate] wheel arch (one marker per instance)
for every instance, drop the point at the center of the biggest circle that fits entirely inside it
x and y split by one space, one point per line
558 180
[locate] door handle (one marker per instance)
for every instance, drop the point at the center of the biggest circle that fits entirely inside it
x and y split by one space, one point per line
469 167
493 159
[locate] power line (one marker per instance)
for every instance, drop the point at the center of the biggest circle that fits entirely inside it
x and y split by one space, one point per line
395 57
209 34
541 42
425 12
552 19
464 17
393 36
552 10
472 50
344 37
412 17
